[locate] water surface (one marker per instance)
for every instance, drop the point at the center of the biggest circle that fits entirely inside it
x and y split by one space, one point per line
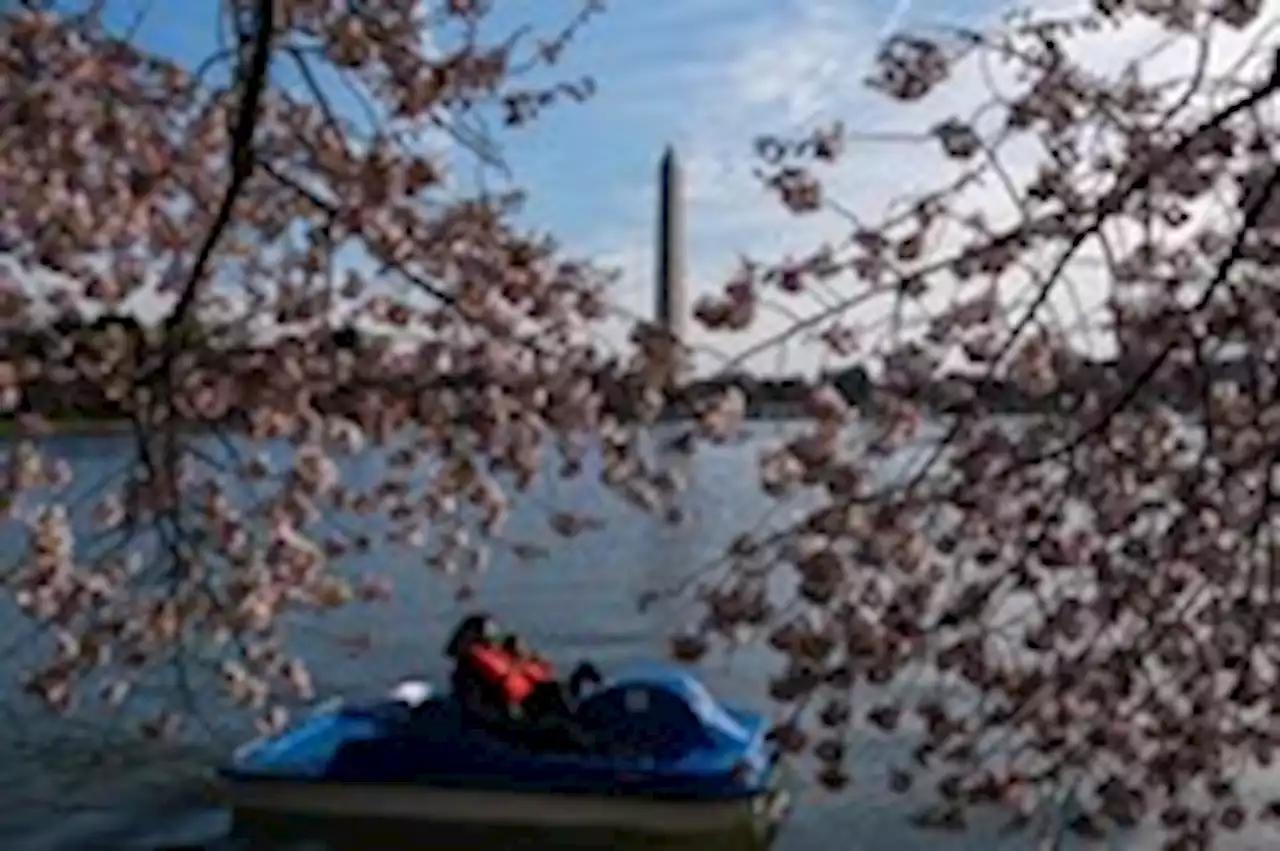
88 783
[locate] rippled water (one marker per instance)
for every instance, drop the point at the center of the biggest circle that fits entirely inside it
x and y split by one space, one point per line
87 784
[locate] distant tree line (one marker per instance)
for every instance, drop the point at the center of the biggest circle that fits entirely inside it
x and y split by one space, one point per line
775 396
70 338
69 345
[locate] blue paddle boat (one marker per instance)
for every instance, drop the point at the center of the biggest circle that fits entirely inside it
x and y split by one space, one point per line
654 754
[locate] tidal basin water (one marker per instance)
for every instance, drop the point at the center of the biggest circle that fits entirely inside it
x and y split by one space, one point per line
89 783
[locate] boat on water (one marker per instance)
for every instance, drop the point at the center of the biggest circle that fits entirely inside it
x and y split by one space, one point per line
654 753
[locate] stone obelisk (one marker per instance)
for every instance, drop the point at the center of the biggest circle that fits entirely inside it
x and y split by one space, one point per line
672 308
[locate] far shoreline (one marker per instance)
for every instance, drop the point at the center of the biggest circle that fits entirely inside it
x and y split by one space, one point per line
78 427
105 427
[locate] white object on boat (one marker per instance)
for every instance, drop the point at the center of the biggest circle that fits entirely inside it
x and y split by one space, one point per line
412 692
433 804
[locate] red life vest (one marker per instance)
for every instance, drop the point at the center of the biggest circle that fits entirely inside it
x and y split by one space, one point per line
515 677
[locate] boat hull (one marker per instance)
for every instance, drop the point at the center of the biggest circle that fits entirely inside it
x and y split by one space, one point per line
405 804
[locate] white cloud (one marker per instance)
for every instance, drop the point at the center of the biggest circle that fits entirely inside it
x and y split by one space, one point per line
792 68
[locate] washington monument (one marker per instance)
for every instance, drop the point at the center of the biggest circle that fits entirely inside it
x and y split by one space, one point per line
671 303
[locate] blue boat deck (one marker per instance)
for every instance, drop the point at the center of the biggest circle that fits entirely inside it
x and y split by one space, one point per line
663 735
307 749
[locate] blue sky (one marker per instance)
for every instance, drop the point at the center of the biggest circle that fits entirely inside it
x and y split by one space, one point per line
708 76
704 75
